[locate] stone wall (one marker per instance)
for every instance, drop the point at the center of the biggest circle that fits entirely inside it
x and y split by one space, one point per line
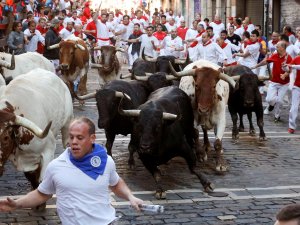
290 13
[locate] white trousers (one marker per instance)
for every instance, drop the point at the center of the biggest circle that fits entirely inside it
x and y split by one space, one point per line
294 107
275 95
131 58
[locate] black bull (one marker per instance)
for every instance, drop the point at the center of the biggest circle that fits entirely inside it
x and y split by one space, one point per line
163 129
245 98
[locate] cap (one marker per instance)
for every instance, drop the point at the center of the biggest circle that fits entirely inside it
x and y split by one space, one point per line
54 22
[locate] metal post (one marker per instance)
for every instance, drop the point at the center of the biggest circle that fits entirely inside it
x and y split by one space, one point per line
266 30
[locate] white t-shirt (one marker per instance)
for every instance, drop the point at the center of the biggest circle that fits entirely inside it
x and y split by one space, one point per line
292 50
127 29
211 52
251 60
297 44
81 200
171 27
169 45
217 28
32 45
146 43
64 33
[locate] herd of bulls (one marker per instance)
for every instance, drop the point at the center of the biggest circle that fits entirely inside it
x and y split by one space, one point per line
162 108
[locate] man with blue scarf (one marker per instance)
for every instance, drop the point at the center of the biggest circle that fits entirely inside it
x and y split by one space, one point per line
81 178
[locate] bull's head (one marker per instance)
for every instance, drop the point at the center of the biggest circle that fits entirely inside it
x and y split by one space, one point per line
247 88
11 65
12 132
148 127
67 52
107 103
108 57
205 81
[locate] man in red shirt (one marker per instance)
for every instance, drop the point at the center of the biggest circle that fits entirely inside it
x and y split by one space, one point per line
87 10
182 29
295 66
280 78
91 27
41 27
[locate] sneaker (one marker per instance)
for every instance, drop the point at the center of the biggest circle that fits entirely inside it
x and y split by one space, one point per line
270 108
266 111
291 131
277 119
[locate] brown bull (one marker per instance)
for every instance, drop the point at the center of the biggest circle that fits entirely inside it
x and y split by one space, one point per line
108 66
73 63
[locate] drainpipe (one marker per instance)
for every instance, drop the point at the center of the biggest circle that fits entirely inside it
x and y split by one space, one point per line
266 18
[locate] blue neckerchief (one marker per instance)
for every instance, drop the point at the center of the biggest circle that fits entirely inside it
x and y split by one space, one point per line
92 164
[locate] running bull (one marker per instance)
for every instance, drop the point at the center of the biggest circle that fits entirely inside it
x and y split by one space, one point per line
163 129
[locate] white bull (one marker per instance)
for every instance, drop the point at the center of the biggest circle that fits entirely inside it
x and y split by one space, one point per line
28 103
214 116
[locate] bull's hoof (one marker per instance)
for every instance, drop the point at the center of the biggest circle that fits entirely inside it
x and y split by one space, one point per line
241 129
40 208
160 194
221 168
209 187
252 132
202 157
262 138
207 148
235 137
131 166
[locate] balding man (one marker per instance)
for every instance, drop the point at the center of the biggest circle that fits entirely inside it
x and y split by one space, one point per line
280 79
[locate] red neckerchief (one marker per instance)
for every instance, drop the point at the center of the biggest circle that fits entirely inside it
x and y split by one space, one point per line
77 34
199 34
275 42
56 30
74 18
211 37
164 22
223 45
245 28
289 34
70 30
251 43
218 22
238 26
137 33
103 22
207 43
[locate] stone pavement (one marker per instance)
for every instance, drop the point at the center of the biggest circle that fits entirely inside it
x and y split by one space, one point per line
262 177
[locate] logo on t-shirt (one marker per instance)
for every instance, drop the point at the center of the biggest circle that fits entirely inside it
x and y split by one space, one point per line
95 161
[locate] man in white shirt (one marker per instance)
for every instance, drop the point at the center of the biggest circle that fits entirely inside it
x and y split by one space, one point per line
210 51
239 30
32 37
140 20
251 53
171 25
149 42
172 45
273 42
217 25
291 49
228 48
67 31
297 44
81 177
103 33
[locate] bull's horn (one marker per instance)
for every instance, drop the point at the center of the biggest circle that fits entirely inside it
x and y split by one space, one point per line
227 78
120 94
180 61
171 77
146 58
12 64
237 77
120 49
169 116
148 74
33 127
130 112
141 78
125 76
88 96
53 46
97 48
190 72
96 65
263 78
80 47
